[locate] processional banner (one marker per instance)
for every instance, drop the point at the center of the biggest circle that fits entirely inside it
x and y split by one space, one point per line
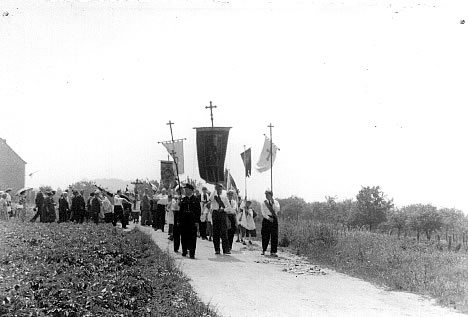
168 178
211 153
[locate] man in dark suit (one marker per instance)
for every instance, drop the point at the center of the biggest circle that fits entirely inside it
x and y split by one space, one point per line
78 207
39 205
189 218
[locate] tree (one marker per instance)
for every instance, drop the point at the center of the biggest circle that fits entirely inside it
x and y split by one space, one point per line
398 219
452 220
423 218
372 207
293 207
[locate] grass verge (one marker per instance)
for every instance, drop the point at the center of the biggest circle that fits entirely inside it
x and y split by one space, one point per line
398 264
87 270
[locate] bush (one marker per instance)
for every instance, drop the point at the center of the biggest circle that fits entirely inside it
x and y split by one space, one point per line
401 264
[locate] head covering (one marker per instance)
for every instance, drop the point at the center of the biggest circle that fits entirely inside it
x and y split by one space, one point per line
8 190
219 186
268 192
230 191
189 186
97 191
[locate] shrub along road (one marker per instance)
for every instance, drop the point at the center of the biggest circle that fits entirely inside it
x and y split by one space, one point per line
248 284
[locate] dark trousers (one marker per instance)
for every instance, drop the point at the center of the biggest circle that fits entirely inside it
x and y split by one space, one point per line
63 215
95 216
160 217
232 230
154 216
108 217
203 230
270 231
38 214
220 231
79 216
188 238
176 235
119 216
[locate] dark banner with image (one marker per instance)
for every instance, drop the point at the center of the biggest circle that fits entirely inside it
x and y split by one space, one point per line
211 153
167 174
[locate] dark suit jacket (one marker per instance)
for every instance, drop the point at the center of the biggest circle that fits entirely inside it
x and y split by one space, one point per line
190 211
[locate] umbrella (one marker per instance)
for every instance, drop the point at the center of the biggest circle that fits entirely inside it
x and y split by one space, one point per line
22 190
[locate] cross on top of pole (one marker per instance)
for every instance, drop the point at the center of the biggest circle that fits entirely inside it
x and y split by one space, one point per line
270 126
211 111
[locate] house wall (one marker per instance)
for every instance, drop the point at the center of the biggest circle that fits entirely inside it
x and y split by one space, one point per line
12 168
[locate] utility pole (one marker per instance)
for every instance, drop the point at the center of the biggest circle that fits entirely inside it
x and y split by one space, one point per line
271 155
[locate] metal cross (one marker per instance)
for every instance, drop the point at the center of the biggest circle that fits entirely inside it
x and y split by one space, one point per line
211 112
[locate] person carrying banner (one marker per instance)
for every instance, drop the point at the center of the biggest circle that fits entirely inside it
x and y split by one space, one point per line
270 210
189 217
218 204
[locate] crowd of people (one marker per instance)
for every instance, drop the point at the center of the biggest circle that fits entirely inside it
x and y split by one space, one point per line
188 213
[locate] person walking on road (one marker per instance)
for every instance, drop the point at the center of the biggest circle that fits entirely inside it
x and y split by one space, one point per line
189 219
270 210
218 204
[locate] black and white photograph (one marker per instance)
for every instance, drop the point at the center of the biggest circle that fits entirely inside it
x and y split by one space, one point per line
233 158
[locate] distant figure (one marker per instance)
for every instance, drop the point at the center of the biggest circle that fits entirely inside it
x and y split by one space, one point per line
78 207
3 207
96 206
170 216
270 210
247 222
204 204
161 210
89 210
49 207
21 207
136 209
8 199
218 204
39 201
189 218
107 209
64 208
119 210
145 209
176 233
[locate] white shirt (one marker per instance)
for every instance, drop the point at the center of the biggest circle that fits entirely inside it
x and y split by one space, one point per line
118 200
231 207
162 199
214 203
266 213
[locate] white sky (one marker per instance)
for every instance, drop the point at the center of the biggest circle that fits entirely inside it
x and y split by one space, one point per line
358 94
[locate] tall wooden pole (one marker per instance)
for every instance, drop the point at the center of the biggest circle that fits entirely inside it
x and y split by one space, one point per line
271 156
176 164
245 175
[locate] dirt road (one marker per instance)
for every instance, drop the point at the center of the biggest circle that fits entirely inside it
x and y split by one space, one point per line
248 284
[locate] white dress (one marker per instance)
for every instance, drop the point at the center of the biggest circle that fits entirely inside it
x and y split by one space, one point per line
247 220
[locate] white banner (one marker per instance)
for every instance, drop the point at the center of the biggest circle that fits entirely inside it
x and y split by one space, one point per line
176 150
267 158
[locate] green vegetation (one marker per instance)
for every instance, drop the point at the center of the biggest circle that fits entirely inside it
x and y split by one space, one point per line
87 270
417 248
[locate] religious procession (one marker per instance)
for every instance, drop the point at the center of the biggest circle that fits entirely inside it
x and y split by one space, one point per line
186 211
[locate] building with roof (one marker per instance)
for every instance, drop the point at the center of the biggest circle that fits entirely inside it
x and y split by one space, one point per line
12 168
